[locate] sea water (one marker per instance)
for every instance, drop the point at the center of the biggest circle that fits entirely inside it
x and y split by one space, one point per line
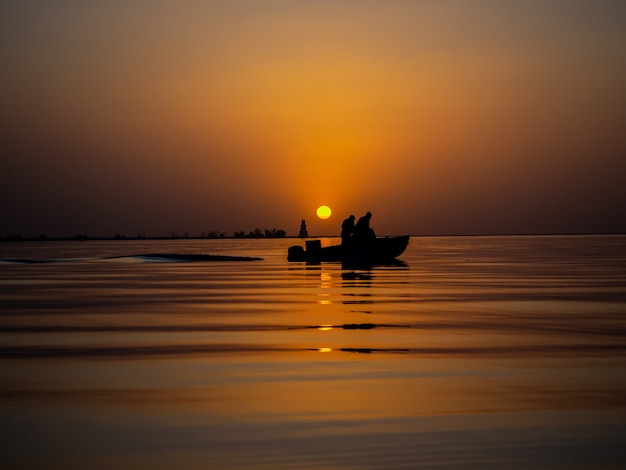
470 352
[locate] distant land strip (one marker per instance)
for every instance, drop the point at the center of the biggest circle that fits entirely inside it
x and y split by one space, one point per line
192 257
44 238
152 257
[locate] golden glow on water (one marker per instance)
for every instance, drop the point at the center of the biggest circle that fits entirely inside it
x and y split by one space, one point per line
482 340
326 280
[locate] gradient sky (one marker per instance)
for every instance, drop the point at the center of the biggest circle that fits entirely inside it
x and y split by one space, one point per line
440 117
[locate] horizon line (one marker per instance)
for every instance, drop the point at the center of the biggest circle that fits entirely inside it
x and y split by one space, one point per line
40 238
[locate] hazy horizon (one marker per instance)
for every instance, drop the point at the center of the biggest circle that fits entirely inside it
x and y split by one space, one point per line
438 117
248 236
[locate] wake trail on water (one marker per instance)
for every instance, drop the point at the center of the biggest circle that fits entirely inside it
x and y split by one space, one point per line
147 257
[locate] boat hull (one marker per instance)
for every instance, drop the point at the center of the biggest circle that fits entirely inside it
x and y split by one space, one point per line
379 250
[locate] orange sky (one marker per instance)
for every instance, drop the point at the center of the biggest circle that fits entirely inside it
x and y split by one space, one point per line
440 117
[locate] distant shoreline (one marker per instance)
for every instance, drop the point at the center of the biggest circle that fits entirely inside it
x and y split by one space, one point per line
122 239
79 238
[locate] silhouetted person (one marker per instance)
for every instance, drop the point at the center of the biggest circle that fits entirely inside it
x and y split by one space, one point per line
362 230
347 228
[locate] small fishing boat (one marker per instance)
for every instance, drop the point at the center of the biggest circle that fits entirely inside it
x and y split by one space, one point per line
378 250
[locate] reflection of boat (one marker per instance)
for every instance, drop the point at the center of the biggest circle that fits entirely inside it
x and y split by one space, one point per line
378 250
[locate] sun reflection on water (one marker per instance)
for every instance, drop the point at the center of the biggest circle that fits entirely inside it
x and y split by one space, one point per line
326 282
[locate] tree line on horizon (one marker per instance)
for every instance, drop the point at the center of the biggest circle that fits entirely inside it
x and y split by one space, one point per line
256 233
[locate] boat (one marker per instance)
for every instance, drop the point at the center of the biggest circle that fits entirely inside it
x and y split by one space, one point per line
377 250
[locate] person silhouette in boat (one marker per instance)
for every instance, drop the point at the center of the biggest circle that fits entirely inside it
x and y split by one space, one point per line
347 229
362 231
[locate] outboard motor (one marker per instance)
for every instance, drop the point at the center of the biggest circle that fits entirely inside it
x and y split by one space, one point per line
296 253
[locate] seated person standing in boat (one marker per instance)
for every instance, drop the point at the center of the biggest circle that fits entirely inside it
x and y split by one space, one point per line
362 230
347 228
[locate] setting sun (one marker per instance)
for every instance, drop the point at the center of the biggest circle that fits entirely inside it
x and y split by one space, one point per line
324 212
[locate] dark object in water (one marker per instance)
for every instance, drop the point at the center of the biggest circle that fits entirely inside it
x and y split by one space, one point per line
378 250
195 257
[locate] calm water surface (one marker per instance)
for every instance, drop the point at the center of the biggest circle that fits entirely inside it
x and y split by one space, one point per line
473 352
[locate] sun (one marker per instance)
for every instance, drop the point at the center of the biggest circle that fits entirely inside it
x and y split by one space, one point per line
324 212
